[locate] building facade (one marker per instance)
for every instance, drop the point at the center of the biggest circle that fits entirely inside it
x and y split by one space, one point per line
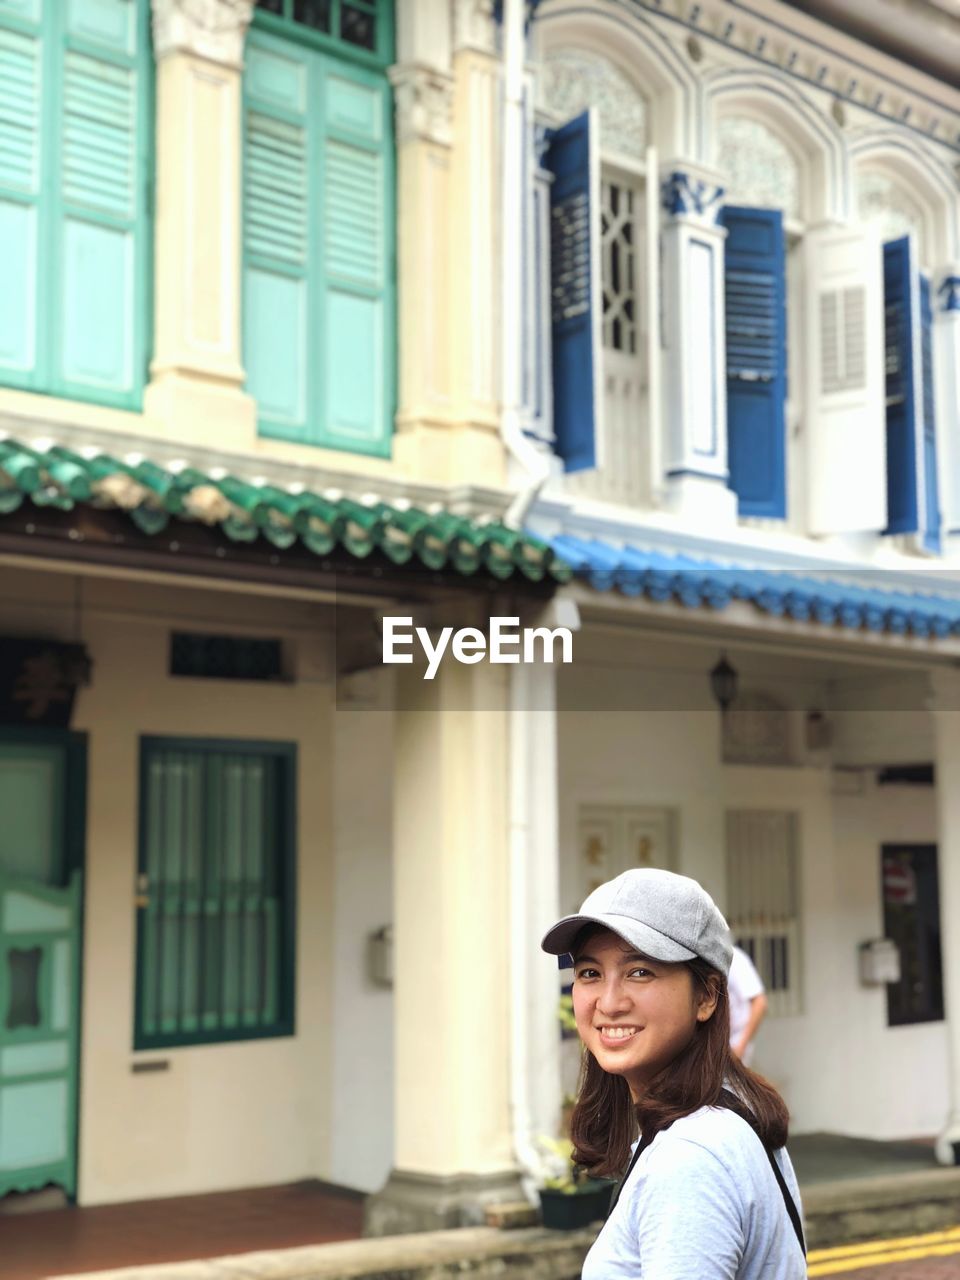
638 317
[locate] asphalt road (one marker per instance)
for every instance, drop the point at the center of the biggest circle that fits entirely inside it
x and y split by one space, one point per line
935 1256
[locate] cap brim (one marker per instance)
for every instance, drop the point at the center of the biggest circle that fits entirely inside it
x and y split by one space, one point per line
559 940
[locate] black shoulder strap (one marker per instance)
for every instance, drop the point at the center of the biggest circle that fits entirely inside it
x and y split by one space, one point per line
788 1200
733 1103
638 1152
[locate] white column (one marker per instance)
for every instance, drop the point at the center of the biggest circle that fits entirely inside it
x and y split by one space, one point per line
196 386
694 374
423 97
536 1091
453 1143
946 367
945 708
447 85
475 259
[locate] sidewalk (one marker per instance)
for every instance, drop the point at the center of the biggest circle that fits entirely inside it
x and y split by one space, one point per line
853 1189
51 1242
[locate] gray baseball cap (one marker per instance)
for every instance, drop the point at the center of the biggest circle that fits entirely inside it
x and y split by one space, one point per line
664 915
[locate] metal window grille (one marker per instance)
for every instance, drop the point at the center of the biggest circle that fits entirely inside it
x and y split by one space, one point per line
214 894
763 900
352 22
619 207
225 657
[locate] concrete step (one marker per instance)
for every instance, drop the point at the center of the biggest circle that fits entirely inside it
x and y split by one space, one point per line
850 1210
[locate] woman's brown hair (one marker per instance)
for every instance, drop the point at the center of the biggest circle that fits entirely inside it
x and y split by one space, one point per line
605 1119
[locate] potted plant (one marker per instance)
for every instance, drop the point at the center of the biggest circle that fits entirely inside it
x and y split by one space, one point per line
569 1198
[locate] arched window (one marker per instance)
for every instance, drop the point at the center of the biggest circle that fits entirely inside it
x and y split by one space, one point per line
763 180
573 80
901 214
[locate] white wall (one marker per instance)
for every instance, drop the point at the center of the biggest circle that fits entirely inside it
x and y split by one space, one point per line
361 1139
838 1065
224 1115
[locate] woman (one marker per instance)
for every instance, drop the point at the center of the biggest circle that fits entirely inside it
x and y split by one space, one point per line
710 1193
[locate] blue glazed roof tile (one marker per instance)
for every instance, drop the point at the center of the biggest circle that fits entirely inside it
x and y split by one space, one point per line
804 596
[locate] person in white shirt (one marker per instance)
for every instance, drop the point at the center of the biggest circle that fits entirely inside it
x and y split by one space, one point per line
748 1004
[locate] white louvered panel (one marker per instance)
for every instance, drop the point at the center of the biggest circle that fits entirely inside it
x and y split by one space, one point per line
275 189
844 420
19 110
353 214
843 353
854 323
99 135
763 907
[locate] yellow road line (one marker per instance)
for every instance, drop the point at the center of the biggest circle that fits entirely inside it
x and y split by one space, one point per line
878 1259
881 1246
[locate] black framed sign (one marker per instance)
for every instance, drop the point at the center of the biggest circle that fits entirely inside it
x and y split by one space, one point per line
911 918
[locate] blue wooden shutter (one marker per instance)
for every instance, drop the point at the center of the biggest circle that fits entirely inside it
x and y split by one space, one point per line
931 515
912 500
20 169
574 293
355 345
279 236
100 309
755 266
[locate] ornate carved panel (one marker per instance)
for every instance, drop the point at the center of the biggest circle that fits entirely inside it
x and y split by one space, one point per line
575 79
759 169
887 205
214 29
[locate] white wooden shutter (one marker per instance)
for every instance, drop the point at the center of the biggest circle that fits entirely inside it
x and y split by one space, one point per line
845 421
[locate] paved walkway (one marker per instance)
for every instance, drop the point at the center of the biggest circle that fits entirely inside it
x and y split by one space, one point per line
59 1241
829 1157
51 1242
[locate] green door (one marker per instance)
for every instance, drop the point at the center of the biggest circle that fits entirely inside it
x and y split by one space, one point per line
40 916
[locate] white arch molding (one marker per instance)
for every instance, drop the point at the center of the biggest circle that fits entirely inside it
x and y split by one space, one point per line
623 36
807 134
919 182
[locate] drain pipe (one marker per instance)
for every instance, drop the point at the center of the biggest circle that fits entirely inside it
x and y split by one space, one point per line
534 902
534 463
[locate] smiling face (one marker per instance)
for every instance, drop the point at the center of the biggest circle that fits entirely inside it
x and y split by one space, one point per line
634 1014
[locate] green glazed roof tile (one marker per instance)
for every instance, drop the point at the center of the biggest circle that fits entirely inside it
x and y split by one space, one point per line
152 494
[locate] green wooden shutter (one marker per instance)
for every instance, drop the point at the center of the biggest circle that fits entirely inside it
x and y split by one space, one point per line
74 143
279 235
318 197
356 337
100 303
21 56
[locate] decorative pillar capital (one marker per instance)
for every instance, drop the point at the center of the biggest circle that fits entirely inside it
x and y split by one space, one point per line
948 289
423 98
211 29
474 25
689 192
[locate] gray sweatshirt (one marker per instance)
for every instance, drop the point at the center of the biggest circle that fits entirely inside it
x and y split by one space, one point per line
701 1203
